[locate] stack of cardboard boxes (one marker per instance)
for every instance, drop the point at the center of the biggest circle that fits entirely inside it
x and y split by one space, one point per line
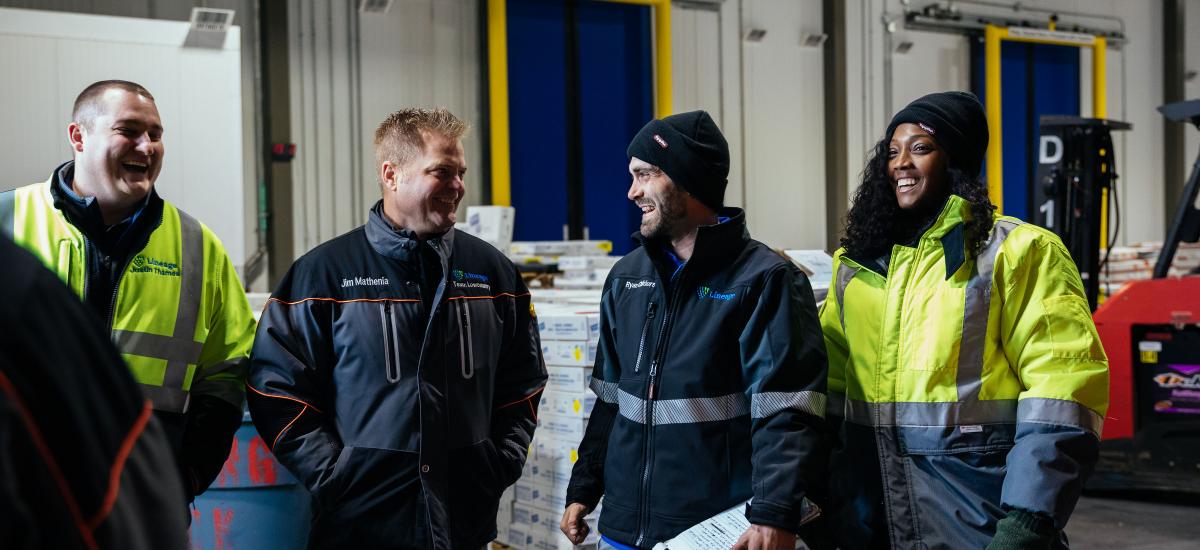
549 252
583 271
569 324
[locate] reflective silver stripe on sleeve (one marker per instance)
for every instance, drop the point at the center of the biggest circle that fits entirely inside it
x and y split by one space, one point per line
914 414
173 400
605 391
844 275
766 404
684 411
975 314
1059 412
168 348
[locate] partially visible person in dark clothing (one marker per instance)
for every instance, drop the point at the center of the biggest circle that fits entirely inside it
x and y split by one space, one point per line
83 462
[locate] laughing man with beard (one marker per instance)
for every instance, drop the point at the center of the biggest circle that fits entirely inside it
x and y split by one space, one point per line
711 366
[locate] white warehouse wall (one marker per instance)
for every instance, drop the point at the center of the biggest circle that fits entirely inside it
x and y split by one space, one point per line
348 71
245 17
940 61
768 98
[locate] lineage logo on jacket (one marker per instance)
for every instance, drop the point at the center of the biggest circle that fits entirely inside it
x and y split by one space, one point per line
465 279
146 264
705 292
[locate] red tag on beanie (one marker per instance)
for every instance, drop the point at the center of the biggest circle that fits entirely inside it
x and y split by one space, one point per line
661 142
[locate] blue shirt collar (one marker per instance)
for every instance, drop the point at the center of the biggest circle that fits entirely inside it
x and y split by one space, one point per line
88 205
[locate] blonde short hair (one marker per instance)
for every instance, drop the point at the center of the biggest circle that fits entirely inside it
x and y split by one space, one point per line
400 137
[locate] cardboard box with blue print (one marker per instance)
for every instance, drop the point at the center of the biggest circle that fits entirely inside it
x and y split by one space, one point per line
568 353
558 324
572 380
567 404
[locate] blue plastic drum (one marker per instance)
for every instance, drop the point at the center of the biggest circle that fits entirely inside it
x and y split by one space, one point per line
255 503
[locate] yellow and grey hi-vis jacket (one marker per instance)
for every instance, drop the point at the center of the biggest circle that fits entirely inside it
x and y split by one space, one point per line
180 316
962 385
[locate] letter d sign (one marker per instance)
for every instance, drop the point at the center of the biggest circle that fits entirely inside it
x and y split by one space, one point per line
1045 155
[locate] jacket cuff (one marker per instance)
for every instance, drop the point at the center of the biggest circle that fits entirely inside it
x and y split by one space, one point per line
583 496
773 515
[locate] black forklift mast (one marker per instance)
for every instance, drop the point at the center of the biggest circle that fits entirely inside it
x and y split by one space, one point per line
1186 225
1076 166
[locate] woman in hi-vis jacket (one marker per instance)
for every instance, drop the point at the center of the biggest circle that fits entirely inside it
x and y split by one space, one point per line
967 385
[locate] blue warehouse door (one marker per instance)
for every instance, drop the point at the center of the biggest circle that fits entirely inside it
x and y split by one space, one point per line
580 86
1036 80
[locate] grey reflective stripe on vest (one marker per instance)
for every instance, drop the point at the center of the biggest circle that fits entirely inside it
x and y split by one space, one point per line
605 391
157 346
1040 410
683 411
173 400
180 349
844 275
7 208
766 404
975 314
1059 412
917 414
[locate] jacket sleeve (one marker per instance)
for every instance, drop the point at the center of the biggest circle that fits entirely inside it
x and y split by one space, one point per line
218 388
519 383
587 476
784 368
1050 340
289 405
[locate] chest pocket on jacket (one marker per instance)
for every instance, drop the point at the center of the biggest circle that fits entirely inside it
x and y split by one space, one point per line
472 351
931 325
478 327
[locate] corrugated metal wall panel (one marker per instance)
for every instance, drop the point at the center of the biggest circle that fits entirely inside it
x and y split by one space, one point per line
348 72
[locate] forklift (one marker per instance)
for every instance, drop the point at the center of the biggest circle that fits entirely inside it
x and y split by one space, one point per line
1150 329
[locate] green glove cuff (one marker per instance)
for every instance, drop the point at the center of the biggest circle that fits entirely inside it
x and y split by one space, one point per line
1022 530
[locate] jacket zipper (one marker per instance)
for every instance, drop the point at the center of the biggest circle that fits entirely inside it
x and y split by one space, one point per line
112 304
391 349
660 350
466 351
645 329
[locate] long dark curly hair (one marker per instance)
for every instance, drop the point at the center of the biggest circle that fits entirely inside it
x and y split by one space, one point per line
875 221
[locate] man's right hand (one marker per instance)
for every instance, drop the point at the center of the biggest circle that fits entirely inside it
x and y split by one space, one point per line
573 525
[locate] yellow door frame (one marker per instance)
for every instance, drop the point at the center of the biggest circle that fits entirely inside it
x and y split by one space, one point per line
993 35
497 29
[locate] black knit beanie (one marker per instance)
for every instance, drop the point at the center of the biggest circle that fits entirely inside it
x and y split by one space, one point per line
956 120
690 149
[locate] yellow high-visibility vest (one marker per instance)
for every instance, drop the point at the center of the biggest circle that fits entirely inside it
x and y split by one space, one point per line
180 316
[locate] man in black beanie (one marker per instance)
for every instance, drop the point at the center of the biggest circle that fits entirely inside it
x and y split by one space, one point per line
711 367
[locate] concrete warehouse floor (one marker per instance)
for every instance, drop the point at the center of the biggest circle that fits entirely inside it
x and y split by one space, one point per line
1135 520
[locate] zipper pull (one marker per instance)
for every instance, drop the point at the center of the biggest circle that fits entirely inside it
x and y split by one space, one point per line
653 382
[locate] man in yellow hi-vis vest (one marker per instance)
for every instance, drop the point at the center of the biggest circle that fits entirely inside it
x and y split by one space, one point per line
160 279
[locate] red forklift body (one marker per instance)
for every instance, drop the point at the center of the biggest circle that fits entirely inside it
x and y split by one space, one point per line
1151 334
